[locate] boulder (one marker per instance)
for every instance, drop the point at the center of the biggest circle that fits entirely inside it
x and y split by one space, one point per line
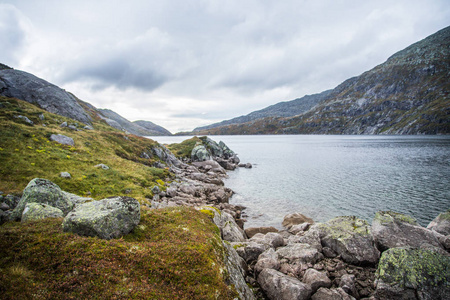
200 153
251 231
279 286
107 219
441 223
62 139
65 175
351 238
215 149
42 191
392 230
295 219
227 152
300 253
267 259
312 238
295 229
248 166
249 251
271 239
38 211
75 199
405 273
332 294
230 230
316 279
103 166
347 283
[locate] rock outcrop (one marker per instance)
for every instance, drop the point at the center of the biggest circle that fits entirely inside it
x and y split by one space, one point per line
107 219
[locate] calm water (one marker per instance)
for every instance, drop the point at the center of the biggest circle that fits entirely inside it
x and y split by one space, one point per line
327 176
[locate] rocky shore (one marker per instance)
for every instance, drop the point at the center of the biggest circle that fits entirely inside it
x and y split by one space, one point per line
344 258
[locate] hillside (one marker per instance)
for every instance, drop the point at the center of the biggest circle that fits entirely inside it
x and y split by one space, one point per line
408 94
25 86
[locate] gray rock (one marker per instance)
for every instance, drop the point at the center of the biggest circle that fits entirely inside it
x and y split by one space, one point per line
156 190
77 200
250 251
300 253
392 230
268 259
166 156
32 89
62 139
11 200
65 175
272 239
347 283
312 238
26 120
63 124
279 286
295 229
248 166
351 238
103 166
42 191
227 152
316 279
72 127
38 211
236 273
200 153
295 219
230 230
4 206
41 117
216 151
88 127
332 294
405 273
441 223
251 231
107 219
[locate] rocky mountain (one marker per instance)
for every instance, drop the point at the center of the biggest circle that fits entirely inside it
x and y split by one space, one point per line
25 86
146 129
281 109
408 94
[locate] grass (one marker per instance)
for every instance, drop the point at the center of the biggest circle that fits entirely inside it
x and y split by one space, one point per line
184 149
175 253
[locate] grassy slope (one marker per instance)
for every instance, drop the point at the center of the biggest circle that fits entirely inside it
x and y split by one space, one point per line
173 254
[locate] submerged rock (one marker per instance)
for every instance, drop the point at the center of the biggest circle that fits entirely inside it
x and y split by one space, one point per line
107 219
295 219
405 273
42 191
38 211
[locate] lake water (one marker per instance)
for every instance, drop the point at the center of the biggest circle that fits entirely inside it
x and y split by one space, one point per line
325 176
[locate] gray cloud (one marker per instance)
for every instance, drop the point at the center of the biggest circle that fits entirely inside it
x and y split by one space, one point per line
13 34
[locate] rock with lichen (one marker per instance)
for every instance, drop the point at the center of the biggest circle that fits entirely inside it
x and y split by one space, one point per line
38 211
405 273
107 219
441 223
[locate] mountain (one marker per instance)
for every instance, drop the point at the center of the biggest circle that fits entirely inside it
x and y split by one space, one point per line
407 94
146 129
25 86
281 109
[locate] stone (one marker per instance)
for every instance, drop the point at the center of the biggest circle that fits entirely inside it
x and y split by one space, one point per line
200 153
107 219
65 175
267 259
63 124
41 117
77 200
312 238
300 253
43 191
62 139
26 120
103 166
441 223
156 190
249 251
332 294
227 152
295 229
248 166
279 286
316 279
251 231
272 239
230 230
347 283
294 219
391 229
404 273
215 149
351 238
38 211
4 206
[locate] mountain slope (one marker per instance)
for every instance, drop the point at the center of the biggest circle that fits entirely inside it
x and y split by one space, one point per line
408 94
152 127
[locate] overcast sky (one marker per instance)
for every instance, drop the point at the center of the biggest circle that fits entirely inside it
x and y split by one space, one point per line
183 64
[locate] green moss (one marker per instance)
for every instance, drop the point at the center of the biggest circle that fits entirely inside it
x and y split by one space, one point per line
184 149
207 212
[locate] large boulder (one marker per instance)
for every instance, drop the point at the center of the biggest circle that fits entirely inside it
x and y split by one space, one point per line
279 286
267 259
405 273
230 230
42 191
295 219
215 149
200 153
316 279
272 239
351 238
227 152
107 219
441 223
38 211
300 253
250 251
251 231
392 230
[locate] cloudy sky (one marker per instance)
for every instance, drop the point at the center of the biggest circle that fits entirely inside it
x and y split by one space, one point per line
183 63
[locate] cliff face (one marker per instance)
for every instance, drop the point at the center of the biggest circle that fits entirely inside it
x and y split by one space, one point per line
408 94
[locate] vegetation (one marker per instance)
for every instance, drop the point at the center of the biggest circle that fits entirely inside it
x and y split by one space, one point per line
184 149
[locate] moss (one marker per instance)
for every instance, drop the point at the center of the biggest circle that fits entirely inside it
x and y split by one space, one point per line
345 227
385 217
207 212
184 149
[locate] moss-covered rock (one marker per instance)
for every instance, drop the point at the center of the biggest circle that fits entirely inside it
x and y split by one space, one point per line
351 238
414 274
42 191
107 219
441 223
38 211
200 153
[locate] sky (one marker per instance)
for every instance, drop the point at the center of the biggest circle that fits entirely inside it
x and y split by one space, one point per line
183 63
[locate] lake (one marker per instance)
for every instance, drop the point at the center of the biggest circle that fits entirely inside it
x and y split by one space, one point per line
324 176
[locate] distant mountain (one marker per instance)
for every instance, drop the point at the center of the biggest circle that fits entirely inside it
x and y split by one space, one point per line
408 94
281 109
119 122
25 86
